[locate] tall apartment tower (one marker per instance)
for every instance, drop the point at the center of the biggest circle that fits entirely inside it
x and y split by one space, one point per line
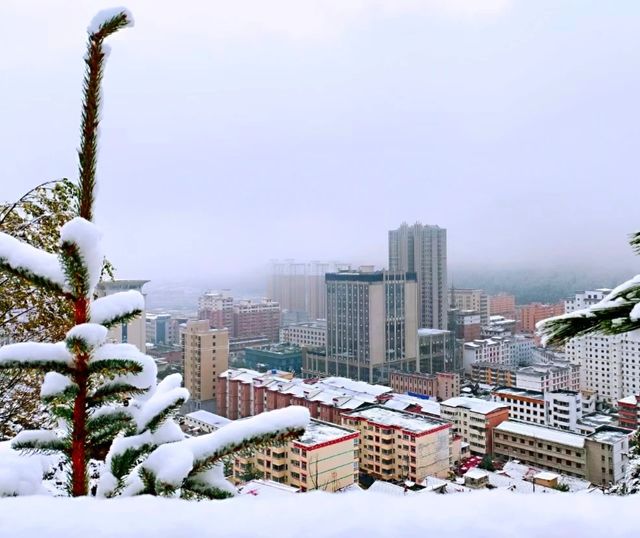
422 249
205 354
371 323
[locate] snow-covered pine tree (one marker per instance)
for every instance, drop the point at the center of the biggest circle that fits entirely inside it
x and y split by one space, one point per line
617 313
104 395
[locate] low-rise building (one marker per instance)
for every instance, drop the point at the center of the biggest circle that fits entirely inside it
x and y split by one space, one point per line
403 446
600 457
281 357
629 412
306 334
488 373
474 420
205 421
498 350
524 405
324 458
546 377
442 385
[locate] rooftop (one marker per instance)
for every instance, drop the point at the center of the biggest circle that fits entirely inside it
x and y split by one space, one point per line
630 400
540 432
209 418
322 432
400 402
609 435
399 419
519 392
432 332
474 404
266 488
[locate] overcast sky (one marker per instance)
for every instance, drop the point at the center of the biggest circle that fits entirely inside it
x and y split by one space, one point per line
235 132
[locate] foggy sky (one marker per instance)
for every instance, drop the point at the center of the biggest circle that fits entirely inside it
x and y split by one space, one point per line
238 132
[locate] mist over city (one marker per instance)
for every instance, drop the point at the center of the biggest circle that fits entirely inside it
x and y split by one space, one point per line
371 261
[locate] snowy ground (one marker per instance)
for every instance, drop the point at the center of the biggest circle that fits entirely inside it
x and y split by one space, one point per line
324 515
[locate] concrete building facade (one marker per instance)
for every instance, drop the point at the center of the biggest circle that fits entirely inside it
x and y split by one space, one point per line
442 386
474 300
205 355
306 334
422 249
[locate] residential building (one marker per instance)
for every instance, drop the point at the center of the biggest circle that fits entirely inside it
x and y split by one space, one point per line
629 411
474 419
585 299
499 326
601 457
524 405
403 446
489 373
530 314
324 458
467 324
205 355
422 250
498 350
283 357
162 330
256 318
217 307
442 385
548 377
243 393
502 304
371 323
205 421
472 300
134 331
306 334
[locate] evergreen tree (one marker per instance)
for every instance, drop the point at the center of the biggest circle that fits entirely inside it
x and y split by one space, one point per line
617 313
104 395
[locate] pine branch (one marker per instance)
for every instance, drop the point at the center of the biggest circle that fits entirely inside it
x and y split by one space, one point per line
112 392
124 319
43 366
114 367
87 154
37 280
192 489
635 242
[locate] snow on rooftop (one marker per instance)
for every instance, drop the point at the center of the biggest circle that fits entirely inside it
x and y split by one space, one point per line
321 432
630 400
431 332
546 475
325 515
476 474
402 401
609 435
390 417
474 404
209 418
355 386
266 488
541 433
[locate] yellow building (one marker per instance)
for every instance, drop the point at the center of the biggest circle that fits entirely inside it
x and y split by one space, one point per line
205 354
325 458
397 445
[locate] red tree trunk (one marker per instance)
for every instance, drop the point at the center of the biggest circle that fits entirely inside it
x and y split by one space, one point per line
79 482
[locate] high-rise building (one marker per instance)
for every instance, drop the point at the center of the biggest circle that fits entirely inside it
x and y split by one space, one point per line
609 365
162 330
371 323
134 331
472 300
205 355
438 351
422 249
300 288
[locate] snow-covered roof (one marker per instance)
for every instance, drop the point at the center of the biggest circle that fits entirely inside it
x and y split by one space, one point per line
476 474
431 332
211 419
630 400
321 432
402 401
546 475
399 419
355 386
609 435
266 488
541 433
476 405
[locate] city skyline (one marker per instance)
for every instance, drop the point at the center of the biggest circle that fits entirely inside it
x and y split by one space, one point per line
308 134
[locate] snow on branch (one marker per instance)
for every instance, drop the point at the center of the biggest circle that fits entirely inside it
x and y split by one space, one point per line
40 440
87 335
36 355
107 16
616 313
171 464
117 308
86 237
34 264
127 354
55 384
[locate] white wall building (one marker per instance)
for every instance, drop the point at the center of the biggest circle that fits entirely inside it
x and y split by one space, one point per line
610 365
306 334
547 377
497 350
